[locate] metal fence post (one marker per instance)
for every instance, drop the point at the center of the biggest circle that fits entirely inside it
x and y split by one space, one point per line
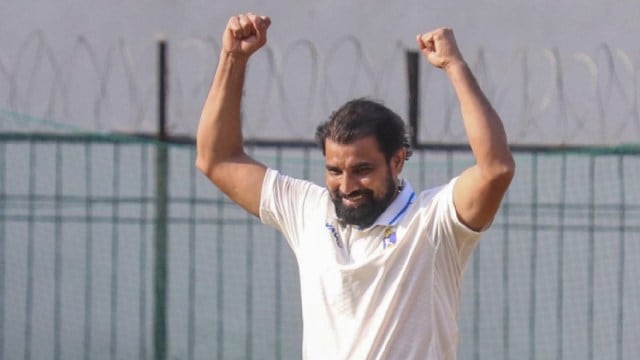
413 81
160 256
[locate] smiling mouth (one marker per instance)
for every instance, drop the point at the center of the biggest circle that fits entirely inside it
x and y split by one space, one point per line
353 200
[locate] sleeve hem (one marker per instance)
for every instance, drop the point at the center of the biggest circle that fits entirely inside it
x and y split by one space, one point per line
265 195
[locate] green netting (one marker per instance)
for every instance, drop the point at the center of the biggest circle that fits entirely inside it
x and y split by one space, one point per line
555 277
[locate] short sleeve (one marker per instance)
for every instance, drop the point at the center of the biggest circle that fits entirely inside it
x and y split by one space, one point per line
463 239
289 204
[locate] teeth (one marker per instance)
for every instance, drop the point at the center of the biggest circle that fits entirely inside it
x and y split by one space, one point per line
353 199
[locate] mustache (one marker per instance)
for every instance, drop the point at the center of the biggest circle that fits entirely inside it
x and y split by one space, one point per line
355 193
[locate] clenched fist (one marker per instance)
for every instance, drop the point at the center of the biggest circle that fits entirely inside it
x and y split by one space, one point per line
244 34
439 48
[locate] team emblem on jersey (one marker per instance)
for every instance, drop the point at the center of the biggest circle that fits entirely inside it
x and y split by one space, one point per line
389 238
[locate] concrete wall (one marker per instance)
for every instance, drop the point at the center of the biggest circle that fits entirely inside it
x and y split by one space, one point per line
92 64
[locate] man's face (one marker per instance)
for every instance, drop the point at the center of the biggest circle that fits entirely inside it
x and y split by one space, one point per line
360 180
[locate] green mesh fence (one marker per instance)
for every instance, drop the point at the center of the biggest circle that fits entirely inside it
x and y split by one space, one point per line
554 278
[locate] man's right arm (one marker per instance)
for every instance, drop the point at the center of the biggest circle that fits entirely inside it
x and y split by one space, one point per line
221 156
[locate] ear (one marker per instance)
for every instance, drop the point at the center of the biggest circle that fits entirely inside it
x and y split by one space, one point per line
397 161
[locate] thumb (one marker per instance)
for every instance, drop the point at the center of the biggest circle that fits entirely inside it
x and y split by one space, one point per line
426 42
263 22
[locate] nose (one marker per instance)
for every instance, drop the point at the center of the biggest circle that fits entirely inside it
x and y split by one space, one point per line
348 183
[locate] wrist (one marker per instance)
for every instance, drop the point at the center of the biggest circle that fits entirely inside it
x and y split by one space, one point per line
231 57
230 66
456 67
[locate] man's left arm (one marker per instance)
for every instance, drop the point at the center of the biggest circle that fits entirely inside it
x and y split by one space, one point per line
479 189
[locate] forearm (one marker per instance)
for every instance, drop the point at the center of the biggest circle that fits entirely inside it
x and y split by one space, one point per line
482 124
479 189
219 135
219 140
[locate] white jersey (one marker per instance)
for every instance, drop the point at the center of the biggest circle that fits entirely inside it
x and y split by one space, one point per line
390 291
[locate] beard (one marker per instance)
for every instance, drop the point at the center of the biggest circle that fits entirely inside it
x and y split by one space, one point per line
366 213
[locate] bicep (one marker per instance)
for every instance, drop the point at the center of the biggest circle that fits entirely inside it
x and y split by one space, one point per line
477 197
240 178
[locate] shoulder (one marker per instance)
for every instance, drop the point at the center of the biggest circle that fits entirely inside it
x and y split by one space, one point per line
290 204
436 194
277 183
435 204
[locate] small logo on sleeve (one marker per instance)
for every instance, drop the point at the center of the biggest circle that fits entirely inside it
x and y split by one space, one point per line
389 238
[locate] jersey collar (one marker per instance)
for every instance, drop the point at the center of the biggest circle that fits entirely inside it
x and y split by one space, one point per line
394 212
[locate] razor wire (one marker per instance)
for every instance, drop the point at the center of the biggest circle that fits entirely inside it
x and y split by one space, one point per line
544 96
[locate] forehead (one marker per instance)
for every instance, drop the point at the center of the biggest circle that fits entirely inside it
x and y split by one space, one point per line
359 151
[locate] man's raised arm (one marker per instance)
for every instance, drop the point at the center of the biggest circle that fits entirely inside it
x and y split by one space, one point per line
479 189
221 156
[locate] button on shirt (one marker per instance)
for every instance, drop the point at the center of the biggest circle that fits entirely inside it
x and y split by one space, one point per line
390 291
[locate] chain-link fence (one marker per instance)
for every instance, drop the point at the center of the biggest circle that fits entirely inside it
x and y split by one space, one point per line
81 217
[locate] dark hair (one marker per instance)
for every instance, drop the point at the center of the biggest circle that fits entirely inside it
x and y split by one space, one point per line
360 118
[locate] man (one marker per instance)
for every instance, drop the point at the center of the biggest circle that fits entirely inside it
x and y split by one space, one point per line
380 265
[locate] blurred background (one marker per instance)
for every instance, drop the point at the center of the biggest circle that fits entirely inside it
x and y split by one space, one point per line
112 246
558 71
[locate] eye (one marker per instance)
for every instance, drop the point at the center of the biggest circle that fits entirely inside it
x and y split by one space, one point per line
363 170
333 171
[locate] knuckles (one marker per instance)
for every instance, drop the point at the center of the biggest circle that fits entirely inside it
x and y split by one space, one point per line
243 26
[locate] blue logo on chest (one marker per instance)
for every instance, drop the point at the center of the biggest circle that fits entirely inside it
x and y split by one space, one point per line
389 238
334 233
